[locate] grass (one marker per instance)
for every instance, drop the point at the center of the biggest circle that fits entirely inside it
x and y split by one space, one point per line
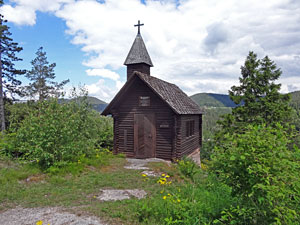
75 186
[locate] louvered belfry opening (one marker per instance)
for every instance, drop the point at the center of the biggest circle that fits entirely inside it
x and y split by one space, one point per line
138 58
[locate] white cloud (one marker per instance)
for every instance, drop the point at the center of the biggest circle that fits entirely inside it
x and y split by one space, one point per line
105 73
199 45
24 11
101 90
20 14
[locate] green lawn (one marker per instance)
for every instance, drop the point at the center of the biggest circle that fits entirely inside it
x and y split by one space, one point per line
26 186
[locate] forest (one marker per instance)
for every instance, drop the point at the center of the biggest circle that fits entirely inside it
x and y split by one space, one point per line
58 153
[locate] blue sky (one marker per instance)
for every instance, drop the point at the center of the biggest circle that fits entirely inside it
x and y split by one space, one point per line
198 45
48 32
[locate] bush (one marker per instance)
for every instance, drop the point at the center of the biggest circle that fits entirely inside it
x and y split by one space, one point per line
207 149
263 173
16 113
187 167
191 203
56 132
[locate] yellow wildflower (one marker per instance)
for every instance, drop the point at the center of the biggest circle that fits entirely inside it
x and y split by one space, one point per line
39 222
178 200
161 191
144 175
167 176
163 174
165 197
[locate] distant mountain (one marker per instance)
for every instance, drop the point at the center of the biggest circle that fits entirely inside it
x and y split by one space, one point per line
213 100
96 103
221 100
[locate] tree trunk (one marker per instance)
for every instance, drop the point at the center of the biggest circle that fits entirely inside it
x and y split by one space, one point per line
2 116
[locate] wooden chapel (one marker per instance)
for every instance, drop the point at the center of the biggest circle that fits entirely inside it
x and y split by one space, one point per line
152 118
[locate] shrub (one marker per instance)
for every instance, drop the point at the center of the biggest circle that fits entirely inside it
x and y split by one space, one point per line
207 149
263 173
17 112
187 167
59 133
190 203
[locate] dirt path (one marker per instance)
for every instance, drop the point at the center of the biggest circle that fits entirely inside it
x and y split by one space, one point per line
52 216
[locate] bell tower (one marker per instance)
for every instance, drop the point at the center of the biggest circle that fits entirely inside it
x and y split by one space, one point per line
138 58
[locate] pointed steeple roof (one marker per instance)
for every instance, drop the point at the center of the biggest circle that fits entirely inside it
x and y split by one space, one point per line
138 52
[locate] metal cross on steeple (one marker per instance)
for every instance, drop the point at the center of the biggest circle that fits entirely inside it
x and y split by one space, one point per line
139 25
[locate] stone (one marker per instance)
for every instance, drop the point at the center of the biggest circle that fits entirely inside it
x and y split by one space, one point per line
118 195
53 216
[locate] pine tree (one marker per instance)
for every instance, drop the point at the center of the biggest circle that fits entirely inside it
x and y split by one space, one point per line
8 73
258 95
42 76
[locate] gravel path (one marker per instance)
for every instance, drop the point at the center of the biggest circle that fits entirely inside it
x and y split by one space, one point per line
52 216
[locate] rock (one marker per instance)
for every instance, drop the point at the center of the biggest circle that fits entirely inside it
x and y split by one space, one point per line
115 194
53 216
140 164
151 173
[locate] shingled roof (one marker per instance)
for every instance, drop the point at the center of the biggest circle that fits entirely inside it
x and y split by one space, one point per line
179 102
138 53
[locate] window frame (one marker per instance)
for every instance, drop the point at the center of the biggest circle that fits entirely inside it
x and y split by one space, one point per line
144 101
189 128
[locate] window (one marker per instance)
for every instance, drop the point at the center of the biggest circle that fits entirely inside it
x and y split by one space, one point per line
190 128
144 101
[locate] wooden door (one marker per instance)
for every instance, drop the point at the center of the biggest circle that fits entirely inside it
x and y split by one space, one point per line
144 135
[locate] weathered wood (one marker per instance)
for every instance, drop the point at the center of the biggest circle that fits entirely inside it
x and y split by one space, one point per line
129 110
151 116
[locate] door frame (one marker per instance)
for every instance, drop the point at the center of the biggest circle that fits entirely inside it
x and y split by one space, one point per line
152 119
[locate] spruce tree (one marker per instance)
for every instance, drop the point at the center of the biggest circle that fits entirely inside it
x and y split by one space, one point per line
258 95
42 75
8 73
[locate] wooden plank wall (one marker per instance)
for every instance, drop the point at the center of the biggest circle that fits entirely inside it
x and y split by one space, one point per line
126 110
188 144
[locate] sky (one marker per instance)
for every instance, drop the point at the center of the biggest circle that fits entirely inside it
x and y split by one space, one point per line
199 45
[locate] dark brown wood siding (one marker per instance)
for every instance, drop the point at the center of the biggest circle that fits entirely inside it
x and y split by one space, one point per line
140 67
125 121
187 145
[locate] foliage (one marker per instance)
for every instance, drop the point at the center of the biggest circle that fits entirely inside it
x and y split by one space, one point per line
55 133
8 145
187 167
260 94
191 203
42 75
295 99
8 72
210 126
210 118
261 170
16 113
8 50
207 149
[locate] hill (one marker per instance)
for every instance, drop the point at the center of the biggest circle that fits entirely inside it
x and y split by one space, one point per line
213 100
96 103
222 100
